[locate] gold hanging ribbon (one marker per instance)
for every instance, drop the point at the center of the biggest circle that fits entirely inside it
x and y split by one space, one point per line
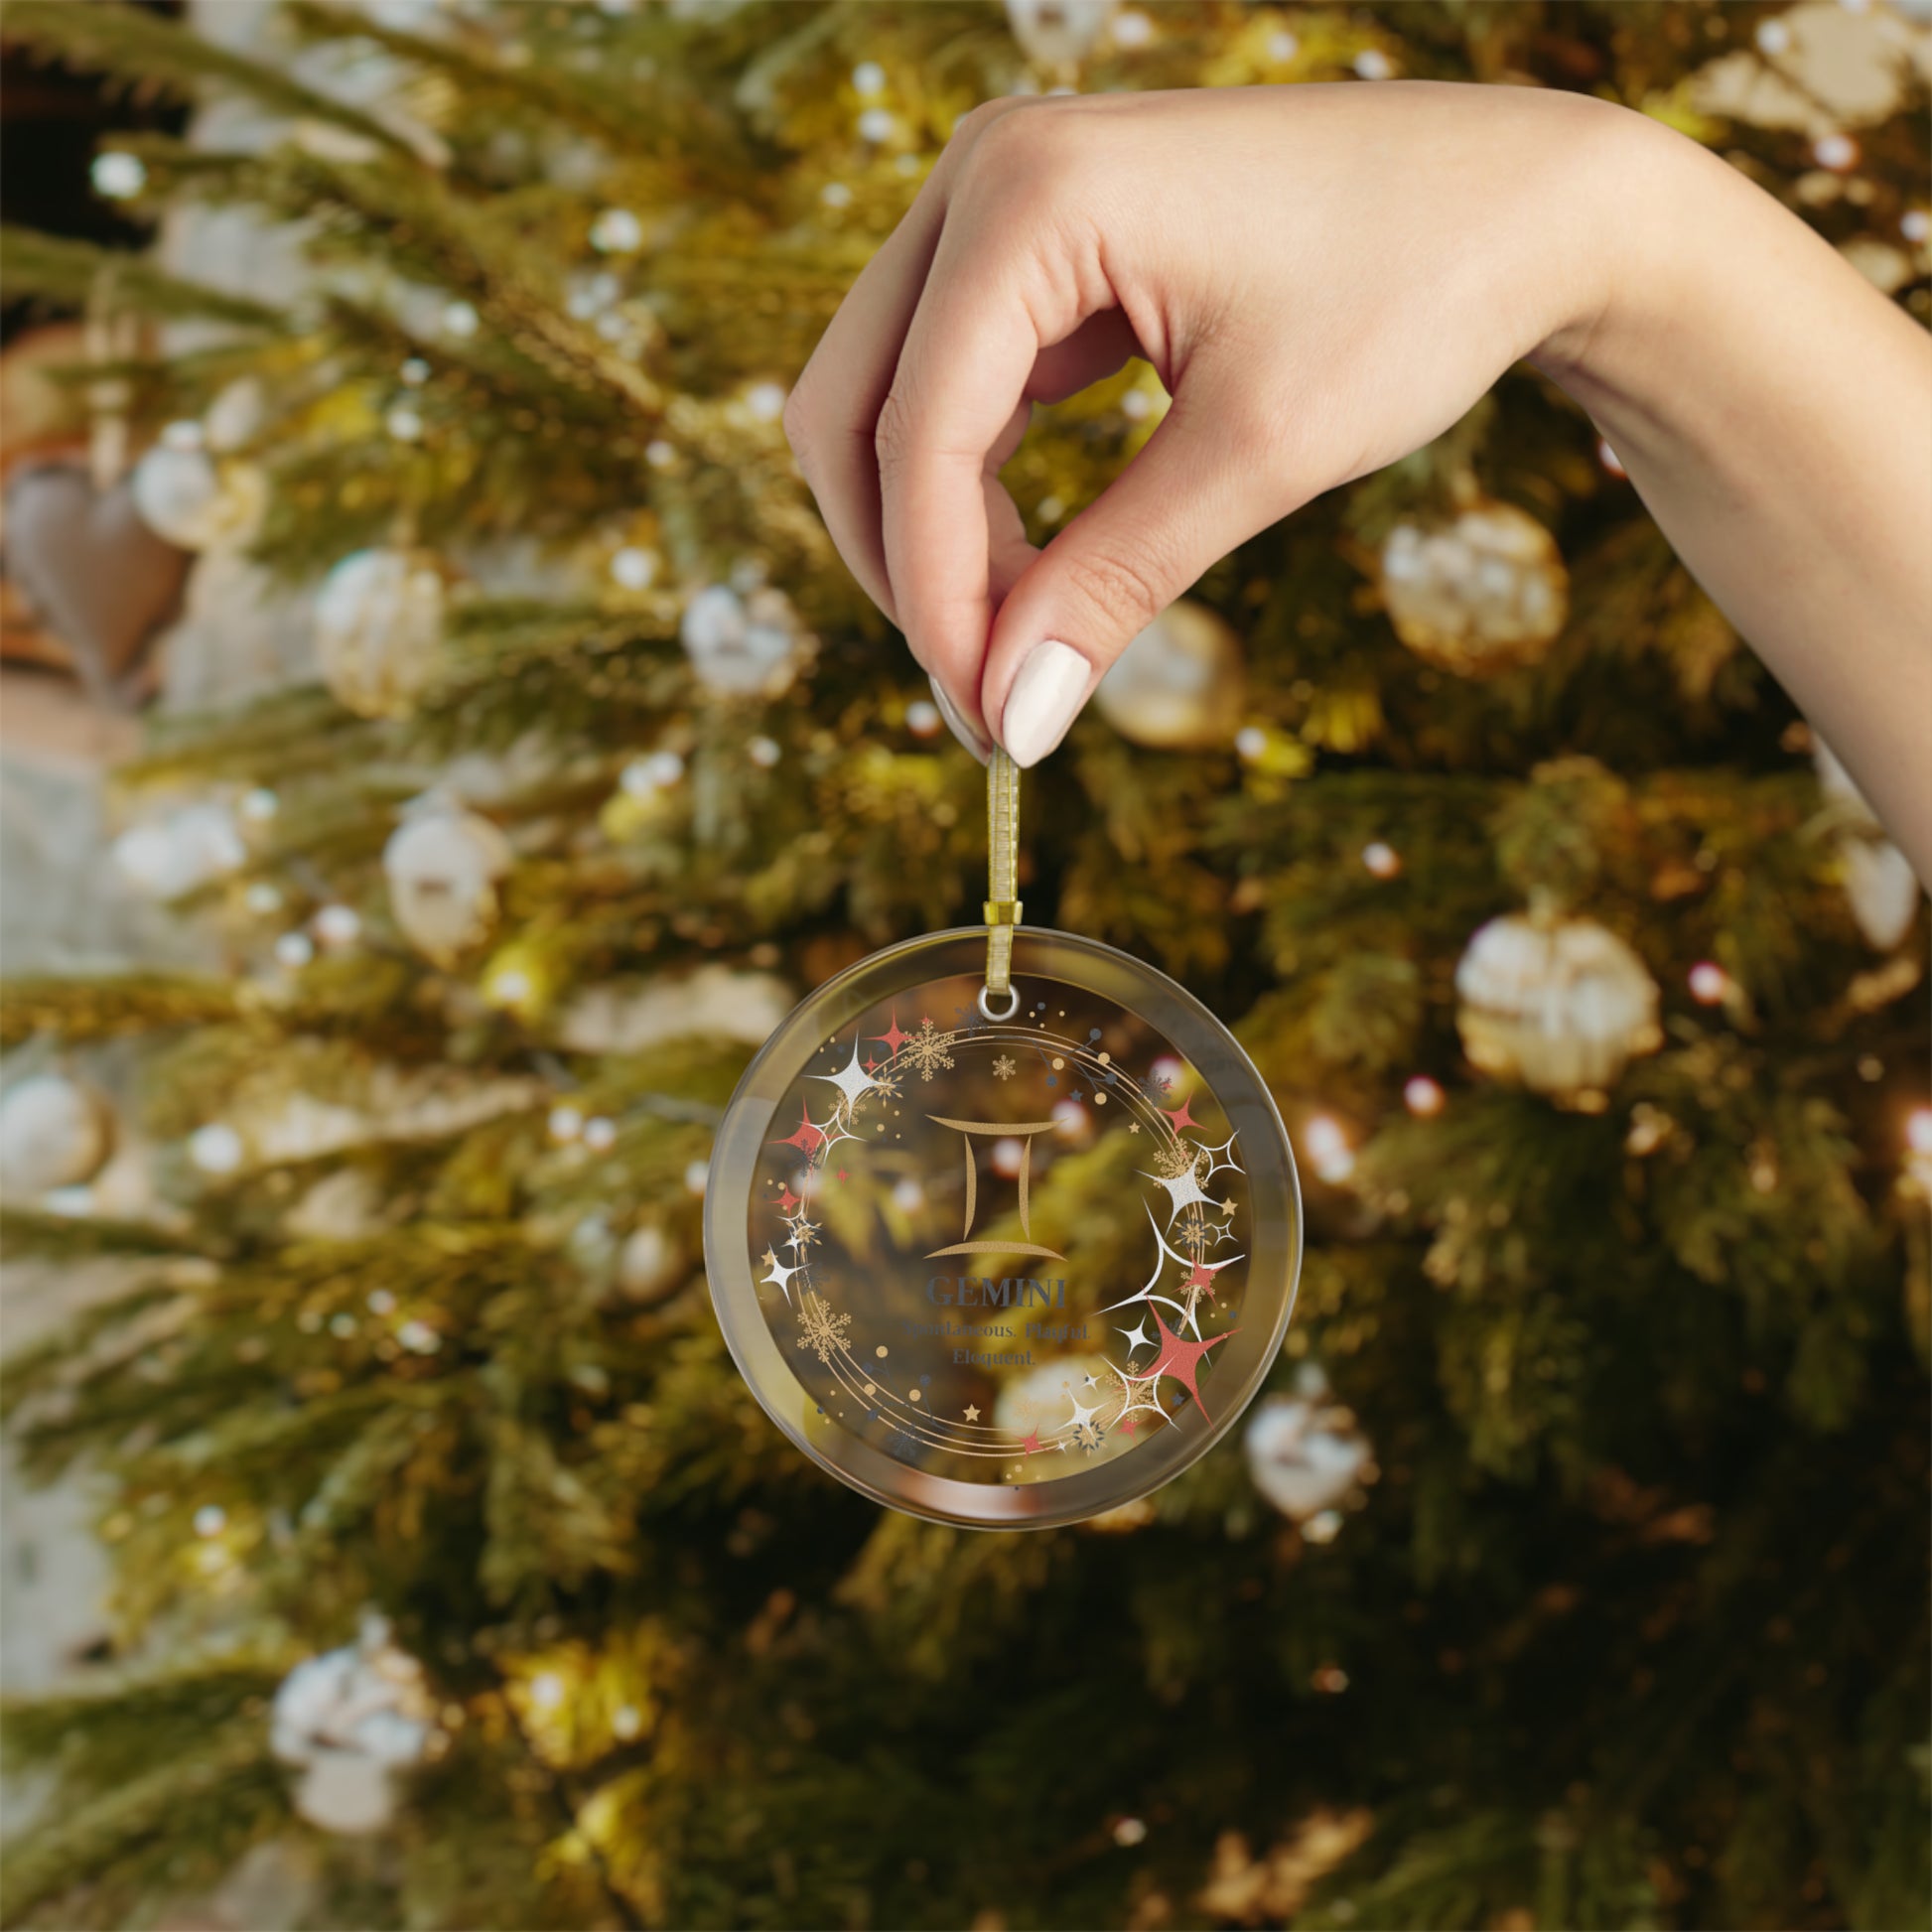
1002 881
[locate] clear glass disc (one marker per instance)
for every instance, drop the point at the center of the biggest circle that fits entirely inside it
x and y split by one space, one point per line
1009 1272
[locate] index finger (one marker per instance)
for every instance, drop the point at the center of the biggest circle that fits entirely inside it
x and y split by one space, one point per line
834 408
962 378
835 403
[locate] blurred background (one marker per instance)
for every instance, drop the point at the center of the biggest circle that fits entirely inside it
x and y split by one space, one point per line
439 743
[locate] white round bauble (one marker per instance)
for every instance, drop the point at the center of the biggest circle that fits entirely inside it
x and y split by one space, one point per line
188 849
392 1734
1559 1004
442 867
740 647
54 1133
190 498
1177 686
1037 1399
1306 1455
650 1265
633 567
306 1699
713 620
379 628
1879 879
1060 33
1484 593
349 1719
117 176
346 1792
217 1148
616 231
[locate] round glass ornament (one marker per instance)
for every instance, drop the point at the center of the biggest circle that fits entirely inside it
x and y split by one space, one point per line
906 1252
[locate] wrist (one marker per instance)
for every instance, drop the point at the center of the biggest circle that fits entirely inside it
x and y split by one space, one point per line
1629 289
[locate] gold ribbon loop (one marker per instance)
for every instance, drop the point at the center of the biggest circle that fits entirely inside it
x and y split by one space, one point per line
1003 874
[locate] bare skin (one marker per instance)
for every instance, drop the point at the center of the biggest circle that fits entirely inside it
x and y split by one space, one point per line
1325 278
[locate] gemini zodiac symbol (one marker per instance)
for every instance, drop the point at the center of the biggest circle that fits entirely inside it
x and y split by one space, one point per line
1024 1131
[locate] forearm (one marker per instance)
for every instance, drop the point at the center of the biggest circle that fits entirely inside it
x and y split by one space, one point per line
1774 412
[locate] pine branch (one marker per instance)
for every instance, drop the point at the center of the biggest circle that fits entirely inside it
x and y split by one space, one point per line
111 1006
158 57
166 1829
286 733
77 273
85 1237
135 1714
417 224
658 115
429 232
53 1364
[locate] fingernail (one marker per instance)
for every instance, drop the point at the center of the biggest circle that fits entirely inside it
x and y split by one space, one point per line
1045 698
957 725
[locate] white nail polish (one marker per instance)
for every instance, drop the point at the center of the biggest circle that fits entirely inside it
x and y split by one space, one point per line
1044 700
957 725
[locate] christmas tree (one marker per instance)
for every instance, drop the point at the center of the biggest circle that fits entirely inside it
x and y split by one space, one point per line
1573 1573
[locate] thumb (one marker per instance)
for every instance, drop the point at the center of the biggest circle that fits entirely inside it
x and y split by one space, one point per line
1196 491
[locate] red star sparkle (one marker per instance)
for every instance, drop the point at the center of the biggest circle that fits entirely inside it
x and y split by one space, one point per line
1031 1444
893 1038
1201 1278
788 1200
807 1136
1180 1117
1181 1360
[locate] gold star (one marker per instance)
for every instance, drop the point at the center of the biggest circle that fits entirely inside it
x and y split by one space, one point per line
1133 1127
1227 1207
972 1414
769 1259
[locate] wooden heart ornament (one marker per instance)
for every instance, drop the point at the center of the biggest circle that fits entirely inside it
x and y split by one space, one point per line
103 581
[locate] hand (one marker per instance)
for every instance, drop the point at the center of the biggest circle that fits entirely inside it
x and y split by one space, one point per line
1300 267
1324 278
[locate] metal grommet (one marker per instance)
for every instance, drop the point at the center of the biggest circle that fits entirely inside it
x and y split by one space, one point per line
1013 1003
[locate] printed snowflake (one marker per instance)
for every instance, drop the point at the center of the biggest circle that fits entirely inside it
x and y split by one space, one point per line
1177 1158
824 1332
1004 1068
803 1235
925 1051
1190 1233
886 1085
